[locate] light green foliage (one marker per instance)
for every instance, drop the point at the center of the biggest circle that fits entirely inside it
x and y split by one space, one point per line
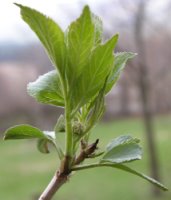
60 125
49 33
86 68
42 146
47 89
125 149
80 38
122 149
119 64
23 132
149 179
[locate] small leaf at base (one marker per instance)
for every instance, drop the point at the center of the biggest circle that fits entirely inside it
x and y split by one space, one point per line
122 149
23 131
47 89
42 145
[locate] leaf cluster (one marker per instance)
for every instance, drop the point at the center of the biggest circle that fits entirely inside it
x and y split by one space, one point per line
85 70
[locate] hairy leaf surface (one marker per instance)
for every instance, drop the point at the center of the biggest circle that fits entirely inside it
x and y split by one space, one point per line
23 131
49 33
42 144
119 64
80 41
122 149
94 74
47 89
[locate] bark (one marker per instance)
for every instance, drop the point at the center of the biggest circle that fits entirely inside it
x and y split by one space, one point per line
144 88
150 134
57 181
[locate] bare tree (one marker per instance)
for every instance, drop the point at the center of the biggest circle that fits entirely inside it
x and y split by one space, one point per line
144 89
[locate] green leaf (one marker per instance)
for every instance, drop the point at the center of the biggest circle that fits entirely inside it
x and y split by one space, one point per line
96 108
49 33
94 74
80 41
132 171
42 145
23 132
122 149
89 61
47 89
124 168
99 66
60 125
98 26
119 64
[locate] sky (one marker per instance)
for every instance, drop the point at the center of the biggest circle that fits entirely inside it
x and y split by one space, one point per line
14 29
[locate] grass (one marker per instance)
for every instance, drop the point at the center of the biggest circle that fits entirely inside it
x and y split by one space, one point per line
24 172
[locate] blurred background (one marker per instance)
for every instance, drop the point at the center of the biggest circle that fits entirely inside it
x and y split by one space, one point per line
140 104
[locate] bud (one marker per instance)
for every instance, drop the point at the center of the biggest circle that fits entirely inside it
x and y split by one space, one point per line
78 128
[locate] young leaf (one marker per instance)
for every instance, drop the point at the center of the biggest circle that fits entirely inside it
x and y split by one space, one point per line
98 28
82 36
122 149
94 73
42 145
60 125
80 41
99 66
119 64
132 171
23 131
121 167
49 33
96 108
47 89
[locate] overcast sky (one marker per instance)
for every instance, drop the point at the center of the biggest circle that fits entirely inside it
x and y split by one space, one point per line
13 29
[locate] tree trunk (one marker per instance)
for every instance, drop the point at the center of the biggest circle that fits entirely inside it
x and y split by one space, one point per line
144 89
149 130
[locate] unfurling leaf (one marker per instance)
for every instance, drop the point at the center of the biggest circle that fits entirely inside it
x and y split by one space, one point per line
47 89
98 28
60 125
85 71
94 74
49 33
96 108
42 145
119 64
23 131
80 41
122 149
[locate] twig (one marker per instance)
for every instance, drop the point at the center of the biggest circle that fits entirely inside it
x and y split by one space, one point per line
85 153
57 181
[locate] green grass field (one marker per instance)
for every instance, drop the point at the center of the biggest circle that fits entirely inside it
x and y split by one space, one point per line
24 172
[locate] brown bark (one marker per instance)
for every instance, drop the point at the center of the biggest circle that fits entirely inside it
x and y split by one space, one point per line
62 175
144 88
57 181
86 152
